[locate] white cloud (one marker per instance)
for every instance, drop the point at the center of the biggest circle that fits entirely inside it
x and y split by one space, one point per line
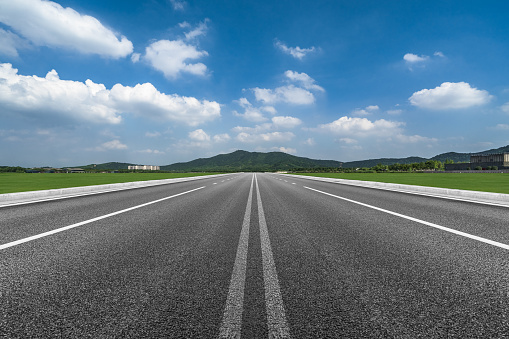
178 5
221 137
265 137
290 94
285 150
412 139
505 108
250 113
151 151
199 135
304 80
502 127
286 94
348 141
152 134
414 58
199 30
46 23
296 52
286 122
135 57
439 54
171 58
44 97
112 145
362 127
394 111
367 111
450 95
309 142
10 43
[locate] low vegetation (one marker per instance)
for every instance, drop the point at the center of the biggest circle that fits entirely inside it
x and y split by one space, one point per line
486 182
21 182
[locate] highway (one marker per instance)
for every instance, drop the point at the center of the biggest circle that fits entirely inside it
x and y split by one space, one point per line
254 256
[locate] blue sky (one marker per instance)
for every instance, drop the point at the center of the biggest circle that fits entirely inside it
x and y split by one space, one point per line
164 81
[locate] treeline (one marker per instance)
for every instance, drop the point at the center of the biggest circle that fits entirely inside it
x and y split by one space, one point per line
16 169
430 165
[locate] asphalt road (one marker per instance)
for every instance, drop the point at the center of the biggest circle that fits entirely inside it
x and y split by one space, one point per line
254 256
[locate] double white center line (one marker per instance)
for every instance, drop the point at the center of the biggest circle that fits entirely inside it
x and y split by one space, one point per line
276 319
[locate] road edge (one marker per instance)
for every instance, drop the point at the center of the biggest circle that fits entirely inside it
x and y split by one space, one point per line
62 193
446 193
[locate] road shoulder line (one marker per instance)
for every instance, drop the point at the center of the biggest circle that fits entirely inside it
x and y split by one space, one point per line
443 228
65 228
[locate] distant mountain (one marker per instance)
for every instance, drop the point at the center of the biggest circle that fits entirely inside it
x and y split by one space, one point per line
250 161
239 161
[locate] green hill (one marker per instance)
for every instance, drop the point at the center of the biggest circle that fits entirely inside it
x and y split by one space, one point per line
243 161
249 161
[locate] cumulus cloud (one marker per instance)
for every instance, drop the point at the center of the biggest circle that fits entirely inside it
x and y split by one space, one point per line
291 94
286 122
221 137
199 135
288 150
362 127
50 96
251 113
286 94
366 111
296 52
265 137
172 58
10 43
450 95
46 23
304 80
414 58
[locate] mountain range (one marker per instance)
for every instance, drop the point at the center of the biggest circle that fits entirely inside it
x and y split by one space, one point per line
276 161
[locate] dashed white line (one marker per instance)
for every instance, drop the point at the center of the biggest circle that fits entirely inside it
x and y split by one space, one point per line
450 230
58 230
232 318
276 318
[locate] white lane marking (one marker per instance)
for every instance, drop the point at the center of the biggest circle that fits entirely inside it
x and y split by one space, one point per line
58 230
293 183
214 183
450 230
232 318
408 191
276 318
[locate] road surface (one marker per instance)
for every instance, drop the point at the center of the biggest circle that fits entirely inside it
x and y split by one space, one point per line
254 256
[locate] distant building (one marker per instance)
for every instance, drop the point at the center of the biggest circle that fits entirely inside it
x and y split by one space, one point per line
145 167
500 160
75 170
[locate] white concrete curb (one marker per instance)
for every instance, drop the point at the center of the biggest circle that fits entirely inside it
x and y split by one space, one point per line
473 196
62 193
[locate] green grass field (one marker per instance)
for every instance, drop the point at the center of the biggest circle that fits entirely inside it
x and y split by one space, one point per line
22 182
485 182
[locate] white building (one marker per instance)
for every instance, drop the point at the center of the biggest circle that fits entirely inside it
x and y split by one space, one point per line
144 167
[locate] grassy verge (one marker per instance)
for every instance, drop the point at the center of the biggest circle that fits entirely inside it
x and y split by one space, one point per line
22 182
484 182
